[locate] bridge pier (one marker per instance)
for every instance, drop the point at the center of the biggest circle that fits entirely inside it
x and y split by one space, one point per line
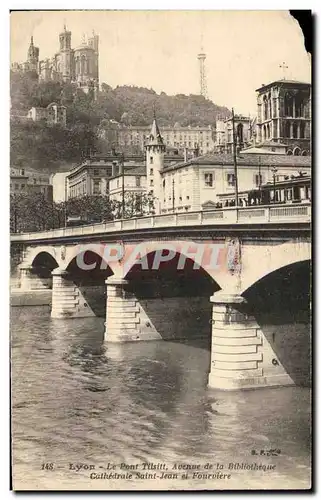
241 356
125 321
67 299
30 281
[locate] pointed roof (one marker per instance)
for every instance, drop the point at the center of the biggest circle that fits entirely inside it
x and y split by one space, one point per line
155 138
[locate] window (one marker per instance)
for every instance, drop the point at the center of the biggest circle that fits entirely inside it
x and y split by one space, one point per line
258 181
151 183
151 171
137 181
230 179
208 178
96 172
151 160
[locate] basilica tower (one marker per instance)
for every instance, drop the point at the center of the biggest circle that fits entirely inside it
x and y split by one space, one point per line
66 55
33 57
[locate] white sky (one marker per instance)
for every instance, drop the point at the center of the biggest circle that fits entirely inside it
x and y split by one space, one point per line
158 49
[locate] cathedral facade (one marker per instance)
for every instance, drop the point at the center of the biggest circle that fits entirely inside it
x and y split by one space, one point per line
78 65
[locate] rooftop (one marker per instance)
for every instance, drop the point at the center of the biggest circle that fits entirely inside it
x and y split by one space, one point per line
245 159
284 82
136 171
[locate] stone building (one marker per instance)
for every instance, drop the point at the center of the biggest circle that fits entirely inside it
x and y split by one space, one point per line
27 182
244 126
53 114
284 115
198 182
176 137
92 176
134 182
78 65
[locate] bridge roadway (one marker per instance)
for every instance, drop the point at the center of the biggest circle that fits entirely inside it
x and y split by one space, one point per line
273 216
266 243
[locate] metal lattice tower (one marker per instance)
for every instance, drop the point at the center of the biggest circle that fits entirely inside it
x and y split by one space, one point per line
203 85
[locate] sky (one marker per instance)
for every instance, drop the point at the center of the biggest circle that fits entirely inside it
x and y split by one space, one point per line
158 49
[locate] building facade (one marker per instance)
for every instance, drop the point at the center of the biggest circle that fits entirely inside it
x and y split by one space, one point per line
93 175
134 183
243 126
53 114
284 115
78 65
199 182
175 137
23 182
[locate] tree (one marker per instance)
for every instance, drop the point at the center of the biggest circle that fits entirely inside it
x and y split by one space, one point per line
136 205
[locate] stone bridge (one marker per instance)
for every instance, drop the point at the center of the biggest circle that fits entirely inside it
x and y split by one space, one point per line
239 277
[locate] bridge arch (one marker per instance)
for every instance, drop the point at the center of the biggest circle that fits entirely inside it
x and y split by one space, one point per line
173 295
86 271
255 266
210 257
34 254
280 304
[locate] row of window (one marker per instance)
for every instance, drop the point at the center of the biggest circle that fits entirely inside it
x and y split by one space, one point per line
230 179
107 172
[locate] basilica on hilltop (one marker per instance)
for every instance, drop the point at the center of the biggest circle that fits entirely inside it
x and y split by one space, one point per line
78 65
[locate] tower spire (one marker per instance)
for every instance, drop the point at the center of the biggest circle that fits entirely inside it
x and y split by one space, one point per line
155 138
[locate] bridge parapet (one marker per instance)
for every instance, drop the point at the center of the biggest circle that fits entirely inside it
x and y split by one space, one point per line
227 216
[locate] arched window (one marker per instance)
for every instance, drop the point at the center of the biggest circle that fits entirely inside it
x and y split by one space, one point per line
304 153
296 151
287 130
264 132
299 105
265 107
270 106
302 130
289 152
82 65
268 131
295 130
288 104
239 133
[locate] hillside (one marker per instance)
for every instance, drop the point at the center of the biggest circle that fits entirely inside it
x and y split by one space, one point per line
39 146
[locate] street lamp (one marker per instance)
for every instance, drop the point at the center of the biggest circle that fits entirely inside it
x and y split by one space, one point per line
274 170
173 182
234 158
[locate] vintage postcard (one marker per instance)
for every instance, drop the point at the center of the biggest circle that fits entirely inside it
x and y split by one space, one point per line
160 212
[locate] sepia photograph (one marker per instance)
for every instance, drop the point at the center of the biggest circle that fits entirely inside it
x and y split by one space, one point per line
160 250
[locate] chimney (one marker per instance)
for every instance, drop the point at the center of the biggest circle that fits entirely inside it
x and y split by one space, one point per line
185 155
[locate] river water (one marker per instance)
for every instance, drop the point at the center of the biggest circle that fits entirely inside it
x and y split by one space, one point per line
76 400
